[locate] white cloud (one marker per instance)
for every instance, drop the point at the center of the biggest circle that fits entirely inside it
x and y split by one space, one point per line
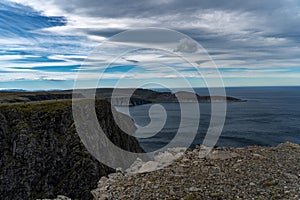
186 46
47 7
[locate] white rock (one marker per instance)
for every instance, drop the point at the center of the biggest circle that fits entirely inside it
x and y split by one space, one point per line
134 168
149 166
161 160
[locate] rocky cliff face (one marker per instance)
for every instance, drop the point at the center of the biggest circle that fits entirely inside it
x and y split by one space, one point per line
42 155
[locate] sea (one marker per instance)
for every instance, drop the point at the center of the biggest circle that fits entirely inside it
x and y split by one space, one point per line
270 116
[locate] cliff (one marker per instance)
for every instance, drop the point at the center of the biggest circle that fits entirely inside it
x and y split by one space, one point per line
42 155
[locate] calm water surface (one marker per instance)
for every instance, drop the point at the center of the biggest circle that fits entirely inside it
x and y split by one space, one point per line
269 117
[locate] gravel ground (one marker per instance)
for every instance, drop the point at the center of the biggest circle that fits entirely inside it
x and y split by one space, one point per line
226 173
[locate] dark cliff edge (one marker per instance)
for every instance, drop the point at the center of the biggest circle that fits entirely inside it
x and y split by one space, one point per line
42 155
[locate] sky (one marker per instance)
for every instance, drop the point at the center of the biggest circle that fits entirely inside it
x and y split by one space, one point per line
45 44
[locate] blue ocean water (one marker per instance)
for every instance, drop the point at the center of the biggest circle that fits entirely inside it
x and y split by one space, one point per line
269 117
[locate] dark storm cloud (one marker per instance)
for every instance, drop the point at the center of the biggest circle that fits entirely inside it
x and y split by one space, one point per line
133 8
273 18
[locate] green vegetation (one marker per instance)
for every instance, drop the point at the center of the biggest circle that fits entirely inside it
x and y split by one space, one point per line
48 107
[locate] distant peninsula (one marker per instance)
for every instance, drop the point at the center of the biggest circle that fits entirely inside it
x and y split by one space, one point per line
120 96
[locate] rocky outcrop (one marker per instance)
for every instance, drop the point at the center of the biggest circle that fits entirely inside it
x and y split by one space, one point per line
42 155
225 173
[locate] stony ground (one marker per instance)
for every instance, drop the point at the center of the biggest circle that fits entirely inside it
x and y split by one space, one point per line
226 173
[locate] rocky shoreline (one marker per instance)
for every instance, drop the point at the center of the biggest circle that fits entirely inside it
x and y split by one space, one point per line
226 173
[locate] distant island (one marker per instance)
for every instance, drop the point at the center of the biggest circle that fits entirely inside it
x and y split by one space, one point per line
120 98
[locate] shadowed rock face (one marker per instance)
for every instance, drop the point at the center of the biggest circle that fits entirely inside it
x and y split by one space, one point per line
42 155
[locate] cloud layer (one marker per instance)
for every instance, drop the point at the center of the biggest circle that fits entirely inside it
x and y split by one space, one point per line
245 38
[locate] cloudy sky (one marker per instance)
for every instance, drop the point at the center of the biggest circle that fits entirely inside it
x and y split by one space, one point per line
253 43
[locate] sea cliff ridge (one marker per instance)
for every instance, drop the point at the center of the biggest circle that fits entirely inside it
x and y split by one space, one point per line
42 155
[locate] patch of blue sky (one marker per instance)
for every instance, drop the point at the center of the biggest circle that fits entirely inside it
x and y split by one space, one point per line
191 69
22 25
38 84
37 59
4 72
232 69
121 68
19 20
229 69
16 52
77 59
294 69
69 68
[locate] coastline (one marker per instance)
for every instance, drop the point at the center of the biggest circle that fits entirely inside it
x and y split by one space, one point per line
117 96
